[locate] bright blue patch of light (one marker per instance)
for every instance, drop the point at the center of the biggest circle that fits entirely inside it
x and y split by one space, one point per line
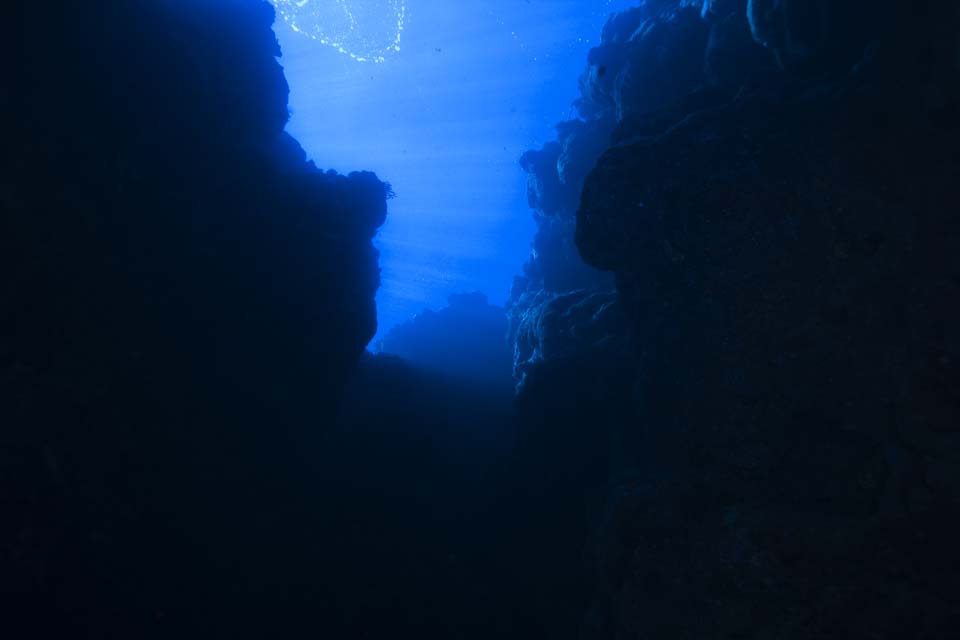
444 120
365 31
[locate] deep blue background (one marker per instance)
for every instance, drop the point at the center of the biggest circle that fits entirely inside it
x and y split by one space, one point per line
444 120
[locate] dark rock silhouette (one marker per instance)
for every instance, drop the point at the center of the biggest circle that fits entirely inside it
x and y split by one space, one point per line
466 340
649 56
553 326
825 34
781 232
184 295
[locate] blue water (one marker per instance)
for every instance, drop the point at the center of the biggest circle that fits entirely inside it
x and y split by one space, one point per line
444 120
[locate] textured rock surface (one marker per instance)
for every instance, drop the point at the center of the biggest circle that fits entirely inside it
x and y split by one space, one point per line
553 326
183 296
786 251
770 450
648 57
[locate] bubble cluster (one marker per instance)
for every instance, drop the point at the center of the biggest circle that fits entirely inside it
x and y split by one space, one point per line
365 30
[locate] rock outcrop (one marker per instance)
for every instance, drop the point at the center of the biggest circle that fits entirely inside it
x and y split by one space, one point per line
184 295
778 205
649 56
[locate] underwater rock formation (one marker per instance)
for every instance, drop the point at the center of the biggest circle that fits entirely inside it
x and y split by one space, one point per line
466 340
783 232
648 57
827 34
553 326
553 189
754 435
184 295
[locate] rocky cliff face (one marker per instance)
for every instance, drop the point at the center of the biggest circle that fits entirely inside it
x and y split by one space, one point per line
152 188
778 204
183 295
649 57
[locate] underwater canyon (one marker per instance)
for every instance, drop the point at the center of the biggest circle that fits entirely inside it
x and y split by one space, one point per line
721 401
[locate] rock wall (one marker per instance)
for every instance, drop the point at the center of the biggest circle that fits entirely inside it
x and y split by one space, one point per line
778 204
184 294
651 55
